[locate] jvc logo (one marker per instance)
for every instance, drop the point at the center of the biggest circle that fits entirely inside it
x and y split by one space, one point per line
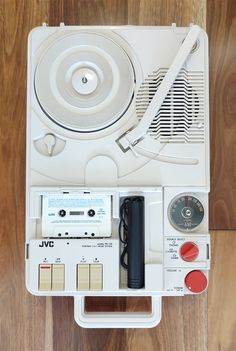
47 244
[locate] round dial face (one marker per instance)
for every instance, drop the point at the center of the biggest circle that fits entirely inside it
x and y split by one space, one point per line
185 213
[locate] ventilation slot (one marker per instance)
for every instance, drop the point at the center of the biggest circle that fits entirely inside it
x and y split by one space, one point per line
181 116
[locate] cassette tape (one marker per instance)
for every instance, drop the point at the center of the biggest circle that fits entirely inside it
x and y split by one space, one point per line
76 215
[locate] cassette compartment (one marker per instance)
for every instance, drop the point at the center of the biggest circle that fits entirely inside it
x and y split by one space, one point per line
75 248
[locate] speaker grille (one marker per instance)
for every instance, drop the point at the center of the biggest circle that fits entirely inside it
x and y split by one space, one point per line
181 116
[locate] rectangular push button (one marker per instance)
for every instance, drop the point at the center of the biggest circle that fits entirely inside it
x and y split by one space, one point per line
45 277
58 277
83 277
96 277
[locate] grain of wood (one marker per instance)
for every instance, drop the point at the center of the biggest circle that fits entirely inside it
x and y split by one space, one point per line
221 27
222 292
20 328
49 325
88 12
177 330
109 304
153 12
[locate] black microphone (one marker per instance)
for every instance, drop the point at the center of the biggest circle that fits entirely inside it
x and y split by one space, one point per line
135 242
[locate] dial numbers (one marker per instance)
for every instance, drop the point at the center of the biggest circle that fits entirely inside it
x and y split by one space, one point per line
185 213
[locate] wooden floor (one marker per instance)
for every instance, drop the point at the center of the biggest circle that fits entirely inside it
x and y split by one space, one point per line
221 28
193 323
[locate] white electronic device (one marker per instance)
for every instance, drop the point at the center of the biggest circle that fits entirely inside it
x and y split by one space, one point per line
117 166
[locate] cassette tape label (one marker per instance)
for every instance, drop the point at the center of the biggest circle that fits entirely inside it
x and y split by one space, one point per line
55 202
82 215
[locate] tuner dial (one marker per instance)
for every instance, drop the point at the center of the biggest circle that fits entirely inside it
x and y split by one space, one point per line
185 213
189 251
196 281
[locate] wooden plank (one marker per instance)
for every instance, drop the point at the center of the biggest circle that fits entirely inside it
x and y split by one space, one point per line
165 12
178 330
222 292
221 19
22 317
88 12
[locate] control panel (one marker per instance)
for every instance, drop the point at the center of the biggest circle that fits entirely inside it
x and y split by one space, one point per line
146 241
186 242
51 277
67 267
90 277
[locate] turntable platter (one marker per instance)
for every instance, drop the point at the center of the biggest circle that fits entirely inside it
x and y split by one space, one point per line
84 82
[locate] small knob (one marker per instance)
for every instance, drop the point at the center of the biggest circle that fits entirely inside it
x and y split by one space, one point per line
85 81
196 281
50 141
91 213
62 213
189 251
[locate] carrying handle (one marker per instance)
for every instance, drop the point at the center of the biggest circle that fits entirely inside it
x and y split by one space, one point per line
117 319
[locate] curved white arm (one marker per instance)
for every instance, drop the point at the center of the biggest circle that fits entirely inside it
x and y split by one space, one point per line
135 135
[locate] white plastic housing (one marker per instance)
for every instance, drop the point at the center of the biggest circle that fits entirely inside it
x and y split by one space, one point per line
113 157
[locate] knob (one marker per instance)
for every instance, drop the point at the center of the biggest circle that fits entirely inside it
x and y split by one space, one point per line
196 281
189 251
85 81
91 213
49 141
62 213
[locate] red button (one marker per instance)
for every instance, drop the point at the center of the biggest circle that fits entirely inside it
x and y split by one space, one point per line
196 281
189 251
